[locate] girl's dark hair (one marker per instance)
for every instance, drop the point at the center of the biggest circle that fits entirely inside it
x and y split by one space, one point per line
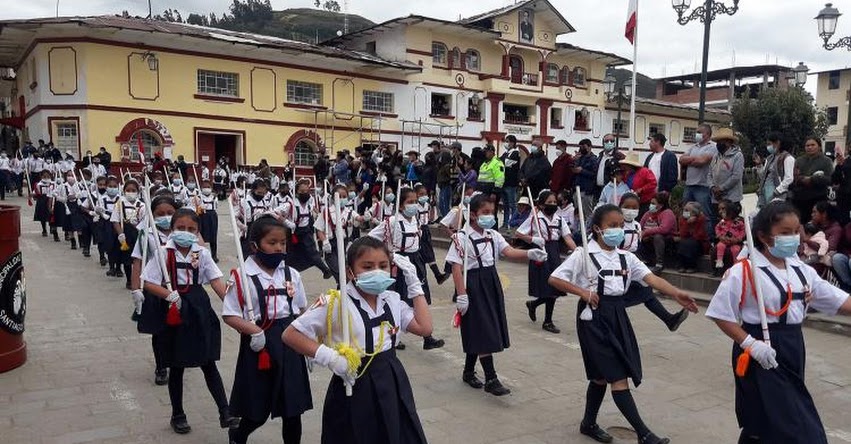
628 196
164 192
734 209
130 182
263 226
543 196
566 195
259 183
601 212
205 182
100 179
239 181
185 212
767 217
419 187
663 199
477 201
810 228
304 182
339 187
163 200
111 179
831 211
361 245
403 194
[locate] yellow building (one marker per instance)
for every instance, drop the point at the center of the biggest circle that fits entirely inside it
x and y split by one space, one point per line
833 94
204 93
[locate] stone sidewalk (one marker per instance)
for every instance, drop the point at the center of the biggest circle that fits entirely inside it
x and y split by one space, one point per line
89 377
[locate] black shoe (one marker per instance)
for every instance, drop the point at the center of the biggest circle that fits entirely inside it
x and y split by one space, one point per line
110 272
718 271
56 237
67 238
161 376
472 380
678 319
550 327
73 243
119 273
216 259
44 234
87 253
441 278
494 387
127 285
226 421
179 425
650 438
430 342
595 432
532 314
327 274
400 346
102 261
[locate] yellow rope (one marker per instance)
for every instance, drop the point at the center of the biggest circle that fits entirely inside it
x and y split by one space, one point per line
352 352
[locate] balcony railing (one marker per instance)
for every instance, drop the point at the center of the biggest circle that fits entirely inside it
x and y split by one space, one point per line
517 119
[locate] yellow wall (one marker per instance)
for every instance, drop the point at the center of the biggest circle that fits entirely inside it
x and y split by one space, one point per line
63 61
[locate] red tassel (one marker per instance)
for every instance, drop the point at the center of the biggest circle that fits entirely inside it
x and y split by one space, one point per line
264 362
742 363
293 239
456 320
172 319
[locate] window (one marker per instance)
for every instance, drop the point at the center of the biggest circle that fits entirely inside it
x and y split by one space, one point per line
473 110
555 118
304 92
441 105
578 76
438 53
656 128
582 120
378 101
304 155
218 83
66 137
830 147
370 48
620 127
150 142
833 80
474 60
832 115
516 114
552 73
455 59
688 134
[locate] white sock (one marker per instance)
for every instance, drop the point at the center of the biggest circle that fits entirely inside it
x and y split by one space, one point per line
719 263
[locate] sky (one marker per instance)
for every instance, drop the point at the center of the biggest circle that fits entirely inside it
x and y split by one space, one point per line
763 31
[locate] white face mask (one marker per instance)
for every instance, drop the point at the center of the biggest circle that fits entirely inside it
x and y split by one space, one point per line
131 196
629 215
698 137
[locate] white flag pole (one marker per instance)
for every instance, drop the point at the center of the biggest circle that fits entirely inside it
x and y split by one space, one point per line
634 84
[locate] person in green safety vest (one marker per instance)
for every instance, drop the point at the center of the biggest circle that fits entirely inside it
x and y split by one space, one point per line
492 176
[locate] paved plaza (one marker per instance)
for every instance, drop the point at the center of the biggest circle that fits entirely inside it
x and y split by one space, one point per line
89 377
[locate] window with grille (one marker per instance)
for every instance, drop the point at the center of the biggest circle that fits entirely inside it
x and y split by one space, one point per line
378 101
218 83
304 92
150 142
438 53
304 155
552 73
455 59
688 134
656 128
832 115
66 137
620 127
473 60
579 76
833 79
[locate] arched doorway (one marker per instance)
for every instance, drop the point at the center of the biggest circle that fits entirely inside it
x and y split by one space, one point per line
302 149
150 142
515 65
154 135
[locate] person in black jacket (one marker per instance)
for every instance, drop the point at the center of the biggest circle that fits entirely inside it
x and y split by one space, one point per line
662 163
535 172
105 158
842 182
511 159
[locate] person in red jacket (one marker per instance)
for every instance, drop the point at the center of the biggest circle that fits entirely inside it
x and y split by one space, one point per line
692 238
640 180
561 177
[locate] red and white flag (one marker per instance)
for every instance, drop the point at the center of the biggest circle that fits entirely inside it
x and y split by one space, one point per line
631 21
141 148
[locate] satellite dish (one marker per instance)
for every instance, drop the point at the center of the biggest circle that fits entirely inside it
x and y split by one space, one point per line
339 33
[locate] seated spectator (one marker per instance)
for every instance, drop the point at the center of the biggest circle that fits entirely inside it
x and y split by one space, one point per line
730 233
825 217
692 239
630 203
524 209
814 246
658 227
841 262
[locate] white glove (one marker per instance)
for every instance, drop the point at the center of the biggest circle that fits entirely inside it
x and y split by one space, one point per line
289 224
587 314
326 247
328 357
539 241
138 300
365 186
174 298
122 238
462 303
367 217
762 352
92 213
258 341
537 255
99 210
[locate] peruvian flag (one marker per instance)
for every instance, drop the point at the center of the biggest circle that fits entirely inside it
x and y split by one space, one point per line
631 21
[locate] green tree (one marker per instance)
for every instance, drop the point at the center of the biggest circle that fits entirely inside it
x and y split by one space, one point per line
790 112
328 5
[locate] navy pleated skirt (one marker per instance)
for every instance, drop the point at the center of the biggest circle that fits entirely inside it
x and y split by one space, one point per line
609 348
484 328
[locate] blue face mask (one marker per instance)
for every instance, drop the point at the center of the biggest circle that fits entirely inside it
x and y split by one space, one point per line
785 246
651 208
352 195
486 221
608 146
183 239
112 192
390 198
422 199
344 201
411 210
177 182
190 185
613 237
163 222
770 149
374 281
466 200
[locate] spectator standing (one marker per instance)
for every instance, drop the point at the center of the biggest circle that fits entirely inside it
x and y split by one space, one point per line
606 162
585 171
342 174
658 227
429 175
562 172
841 179
53 153
692 238
320 168
640 180
511 160
181 166
536 170
414 168
698 163
662 163
106 158
467 175
813 172
776 172
491 177
445 165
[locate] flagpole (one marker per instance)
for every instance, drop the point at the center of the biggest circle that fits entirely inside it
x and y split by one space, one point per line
634 83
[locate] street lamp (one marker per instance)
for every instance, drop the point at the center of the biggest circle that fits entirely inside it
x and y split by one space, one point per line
706 14
151 59
617 93
827 19
800 74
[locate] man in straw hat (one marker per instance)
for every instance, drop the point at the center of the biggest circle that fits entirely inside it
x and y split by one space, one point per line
726 171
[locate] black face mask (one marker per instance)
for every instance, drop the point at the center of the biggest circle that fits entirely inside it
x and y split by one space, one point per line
303 197
270 260
550 209
722 147
101 190
258 196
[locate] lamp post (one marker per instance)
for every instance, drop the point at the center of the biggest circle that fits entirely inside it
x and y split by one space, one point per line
799 74
827 19
617 93
706 14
